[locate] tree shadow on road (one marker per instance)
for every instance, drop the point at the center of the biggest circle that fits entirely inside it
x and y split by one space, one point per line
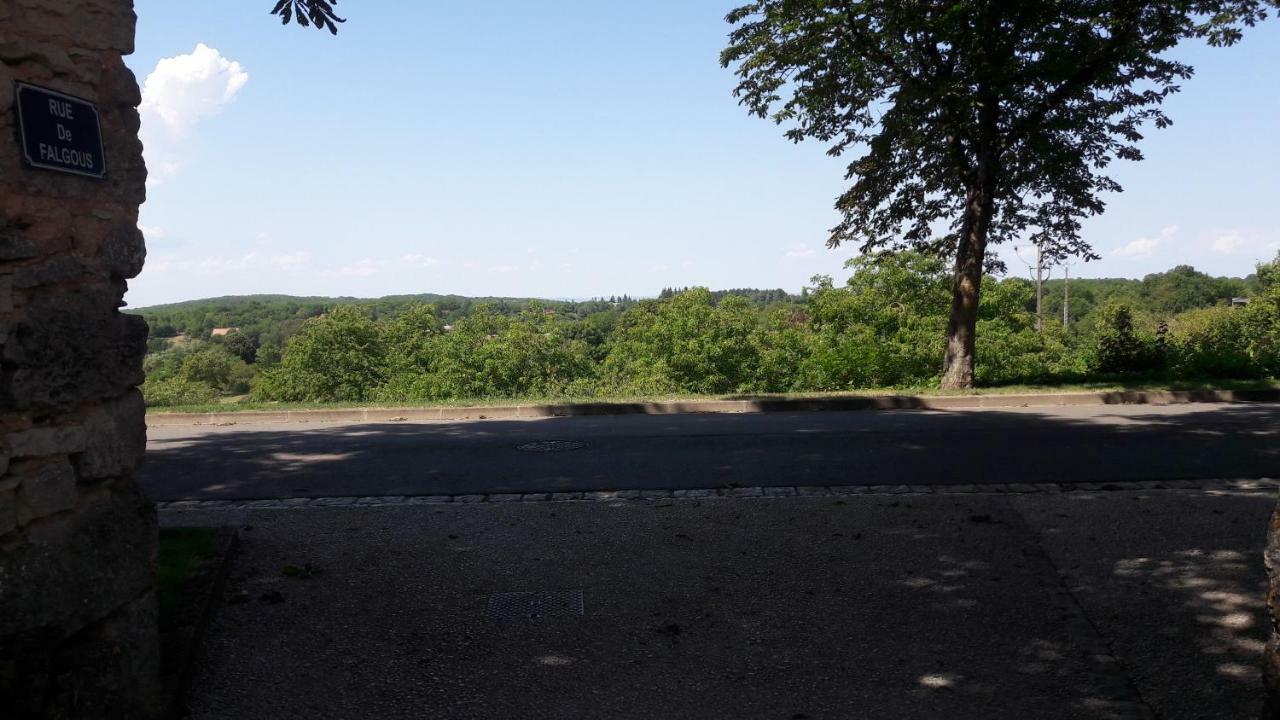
711 451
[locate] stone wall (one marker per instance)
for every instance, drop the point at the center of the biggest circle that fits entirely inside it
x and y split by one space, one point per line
77 539
1271 656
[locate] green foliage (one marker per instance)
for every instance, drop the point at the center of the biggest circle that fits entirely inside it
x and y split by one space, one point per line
242 346
1119 347
339 356
193 373
161 392
1010 348
268 356
488 355
881 328
1212 342
972 122
686 343
216 368
1261 320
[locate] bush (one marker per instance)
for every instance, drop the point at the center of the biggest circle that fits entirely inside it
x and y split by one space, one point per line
218 369
687 343
1118 346
1212 342
338 356
488 355
177 391
883 329
1261 320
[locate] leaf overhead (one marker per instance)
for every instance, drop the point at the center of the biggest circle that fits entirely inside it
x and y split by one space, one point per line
1043 95
309 13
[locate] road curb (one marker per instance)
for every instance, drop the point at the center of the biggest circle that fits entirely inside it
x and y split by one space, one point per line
1212 487
743 405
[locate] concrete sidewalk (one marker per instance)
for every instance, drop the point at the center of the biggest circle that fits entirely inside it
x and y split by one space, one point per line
1116 604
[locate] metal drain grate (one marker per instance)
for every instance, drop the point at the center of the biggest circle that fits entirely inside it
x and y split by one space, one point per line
550 446
558 605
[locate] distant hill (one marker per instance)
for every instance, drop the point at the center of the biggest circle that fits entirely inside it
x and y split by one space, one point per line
274 318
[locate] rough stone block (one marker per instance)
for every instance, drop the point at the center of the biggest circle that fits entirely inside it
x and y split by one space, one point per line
6 293
70 570
1271 655
71 348
124 251
116 438
13 243
40 442
107 670
44 488
58 269
8 505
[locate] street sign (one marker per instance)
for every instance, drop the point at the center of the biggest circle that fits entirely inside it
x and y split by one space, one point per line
59 132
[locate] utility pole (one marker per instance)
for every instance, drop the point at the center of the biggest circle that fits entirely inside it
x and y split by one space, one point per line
1039 278
1039 288
1066 294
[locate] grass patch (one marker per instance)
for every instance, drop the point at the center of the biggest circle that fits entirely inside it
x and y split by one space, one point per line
242 404
183 553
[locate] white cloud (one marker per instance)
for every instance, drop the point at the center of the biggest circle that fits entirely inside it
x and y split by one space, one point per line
183 89
800 251
176 95
222 264
253 261
504 268
1244 241
152 232
362 268
1145 247
419 261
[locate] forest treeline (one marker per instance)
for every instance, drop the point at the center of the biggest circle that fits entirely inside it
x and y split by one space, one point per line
883 327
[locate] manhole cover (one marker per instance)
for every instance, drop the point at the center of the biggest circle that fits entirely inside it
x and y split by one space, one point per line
550 446
559 605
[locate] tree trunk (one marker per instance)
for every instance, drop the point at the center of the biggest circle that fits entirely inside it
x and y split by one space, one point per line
958 366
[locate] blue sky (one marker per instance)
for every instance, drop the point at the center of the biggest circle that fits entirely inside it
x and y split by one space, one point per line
574 149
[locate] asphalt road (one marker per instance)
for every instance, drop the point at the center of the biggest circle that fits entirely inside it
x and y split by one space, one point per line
1043 606
1070 444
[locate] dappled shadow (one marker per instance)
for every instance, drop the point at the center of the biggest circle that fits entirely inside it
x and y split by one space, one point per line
822 607
1177 584
909 606
1064 445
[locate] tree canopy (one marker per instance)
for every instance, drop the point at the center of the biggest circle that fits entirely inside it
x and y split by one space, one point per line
973 121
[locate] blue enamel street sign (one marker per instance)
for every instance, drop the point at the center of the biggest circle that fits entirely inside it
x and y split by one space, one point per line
59 132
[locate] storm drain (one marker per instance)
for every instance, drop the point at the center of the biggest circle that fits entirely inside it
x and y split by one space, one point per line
554 605
550 446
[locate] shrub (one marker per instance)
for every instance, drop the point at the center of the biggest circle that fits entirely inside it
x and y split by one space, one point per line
686 343
338 356
177 391
1212 342
1118 346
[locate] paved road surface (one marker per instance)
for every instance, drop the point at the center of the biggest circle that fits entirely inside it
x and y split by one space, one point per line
1072 444
1068 606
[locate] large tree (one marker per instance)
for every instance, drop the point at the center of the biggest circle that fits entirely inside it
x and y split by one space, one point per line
973 121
